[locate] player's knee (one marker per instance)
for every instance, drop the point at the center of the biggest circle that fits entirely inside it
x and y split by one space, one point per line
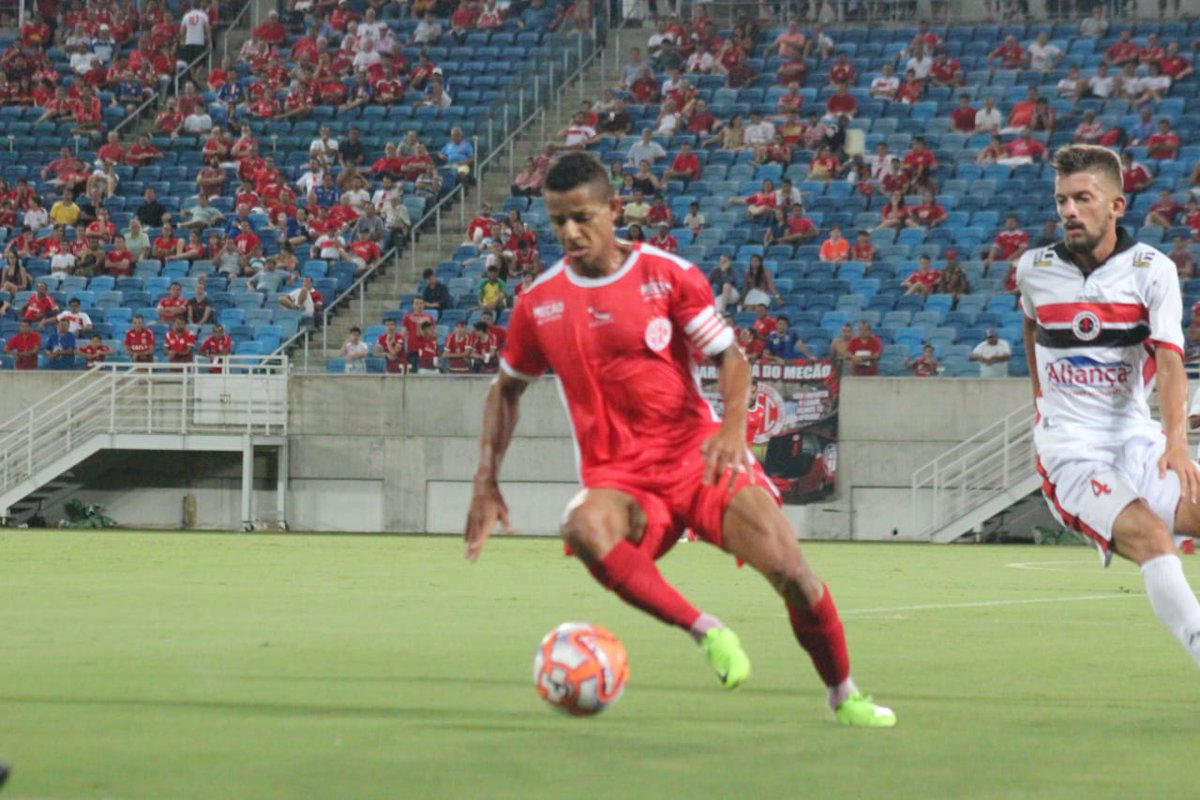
589 531
1152 540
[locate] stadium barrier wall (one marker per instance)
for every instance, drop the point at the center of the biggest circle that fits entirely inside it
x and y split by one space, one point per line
382 453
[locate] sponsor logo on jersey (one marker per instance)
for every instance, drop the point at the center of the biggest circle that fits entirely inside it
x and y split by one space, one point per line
1085 326
599 317
1142 259
1088 372
1043 258
658 334
548 311
655 289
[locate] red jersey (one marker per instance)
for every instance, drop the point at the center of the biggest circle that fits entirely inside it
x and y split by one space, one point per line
927 214
39 306
1010 242
412 323
111 152
216 346
869 347
170 302
842 104
920 159
842 73
1120 52
862 252
945 71
1133 177
143 154
94 354
1025 148
1162 145
621 347
139 340
180 345
23 342
928 279
962 119
457 345
389 341
755 422
689 163
365 249
1173 65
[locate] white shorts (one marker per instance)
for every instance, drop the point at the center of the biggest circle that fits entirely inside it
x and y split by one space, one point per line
1087 496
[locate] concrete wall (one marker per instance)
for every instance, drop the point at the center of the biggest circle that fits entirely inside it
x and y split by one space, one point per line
371 453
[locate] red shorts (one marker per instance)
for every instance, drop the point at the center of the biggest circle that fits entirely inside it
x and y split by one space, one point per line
677 499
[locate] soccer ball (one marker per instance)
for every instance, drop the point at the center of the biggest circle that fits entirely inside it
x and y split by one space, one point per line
580 668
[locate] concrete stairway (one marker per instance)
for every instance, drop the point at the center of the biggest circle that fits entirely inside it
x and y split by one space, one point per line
492 188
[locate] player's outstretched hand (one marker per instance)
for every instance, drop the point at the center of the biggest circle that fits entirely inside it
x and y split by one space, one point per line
725 452
487 508
1177 459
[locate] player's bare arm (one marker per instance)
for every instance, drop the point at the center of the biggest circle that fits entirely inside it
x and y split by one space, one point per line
1030 333
1172 399
500 414
725 451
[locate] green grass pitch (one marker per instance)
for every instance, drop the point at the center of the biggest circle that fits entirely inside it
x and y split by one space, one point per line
137 665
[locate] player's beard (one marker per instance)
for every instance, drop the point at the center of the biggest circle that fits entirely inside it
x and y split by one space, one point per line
1084 241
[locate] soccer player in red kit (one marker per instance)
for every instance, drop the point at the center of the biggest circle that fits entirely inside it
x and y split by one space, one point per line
620 323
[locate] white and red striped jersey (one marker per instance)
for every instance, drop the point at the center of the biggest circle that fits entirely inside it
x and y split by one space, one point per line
1095 342
622 347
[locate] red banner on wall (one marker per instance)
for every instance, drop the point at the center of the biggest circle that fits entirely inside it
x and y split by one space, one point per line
794 420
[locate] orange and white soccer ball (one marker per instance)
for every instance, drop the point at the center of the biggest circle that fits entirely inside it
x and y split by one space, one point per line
580 668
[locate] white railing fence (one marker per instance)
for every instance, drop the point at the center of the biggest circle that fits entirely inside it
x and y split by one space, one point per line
974 472
246 395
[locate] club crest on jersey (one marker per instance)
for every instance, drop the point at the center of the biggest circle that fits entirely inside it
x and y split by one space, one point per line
548 312
1085 326
658 334
656 289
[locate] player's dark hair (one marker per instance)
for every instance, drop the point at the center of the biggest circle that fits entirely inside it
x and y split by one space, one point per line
784 318
1075 158
356 329
572 170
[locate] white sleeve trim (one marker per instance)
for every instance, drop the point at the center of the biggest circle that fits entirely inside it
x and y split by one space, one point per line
513 372
708 333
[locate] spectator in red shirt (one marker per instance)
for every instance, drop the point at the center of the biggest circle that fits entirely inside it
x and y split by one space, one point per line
686 166
800 229
1021 114
1010 243
24 345
139 341
862 249
1024 149
272 31
41 307
95 351
896 213
1163 143
1173 65
841 103
1009 55
111 150
930 212
701 121
962 118
180 343
945 71
924 280
761 202
456 353
864 350
217 347
174 305
1164 212
911 89
391 348
413 319
1123 50
166 243
920 160
842 71
1134 177
924 365
483 351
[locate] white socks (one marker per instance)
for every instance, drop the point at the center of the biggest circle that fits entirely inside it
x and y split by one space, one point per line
702 624
1173 601
838 694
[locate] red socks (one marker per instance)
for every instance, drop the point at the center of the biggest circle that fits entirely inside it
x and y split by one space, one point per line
819 631
632 575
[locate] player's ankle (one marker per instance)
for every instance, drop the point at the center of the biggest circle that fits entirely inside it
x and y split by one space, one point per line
702 625
840 693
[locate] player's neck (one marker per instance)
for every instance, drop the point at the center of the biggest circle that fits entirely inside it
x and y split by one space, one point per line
606 265
1088 262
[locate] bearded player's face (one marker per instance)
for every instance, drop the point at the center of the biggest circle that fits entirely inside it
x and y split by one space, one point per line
584 219
1089 208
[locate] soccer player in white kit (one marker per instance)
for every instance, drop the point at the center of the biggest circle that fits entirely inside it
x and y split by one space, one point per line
1103 322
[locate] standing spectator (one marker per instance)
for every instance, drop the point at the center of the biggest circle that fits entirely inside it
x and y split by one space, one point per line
217 347
839 346
993 355
492 292
390 347
199 309
139 341
865 349
196 33
41 307
456 353
174 305
413 319
355 351
179 342
924 365
24 345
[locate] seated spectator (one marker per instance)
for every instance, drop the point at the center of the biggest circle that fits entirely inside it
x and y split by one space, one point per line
1173 65
723 280
199 309
1164 143
492 293
758 289
925 365
929 213
993 152
660 213
1101 85
1135 177
694 220
663 239
24 346
646 150
59 347
1089 130
616 121
824 165
925 280
94 352
139 341
1025 149
911 89
1007 55
863 249
1094 26
457 153
174 305
1043 54
1164 211
841 103
1181 254
1073 87
895 213
685 166
954 278
41 307
304 299
1123 51
752 345
993 355
886 85
576 136
962 118
761 202
1010 243
202 215
835 248
988 119
782 345
946 71
1049 235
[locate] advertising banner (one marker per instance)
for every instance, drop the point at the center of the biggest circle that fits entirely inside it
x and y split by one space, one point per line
794 424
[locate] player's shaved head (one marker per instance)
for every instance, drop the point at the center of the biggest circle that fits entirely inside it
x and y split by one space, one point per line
1100 161
572 170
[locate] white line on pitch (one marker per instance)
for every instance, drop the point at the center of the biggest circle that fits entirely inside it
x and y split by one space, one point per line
986 603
